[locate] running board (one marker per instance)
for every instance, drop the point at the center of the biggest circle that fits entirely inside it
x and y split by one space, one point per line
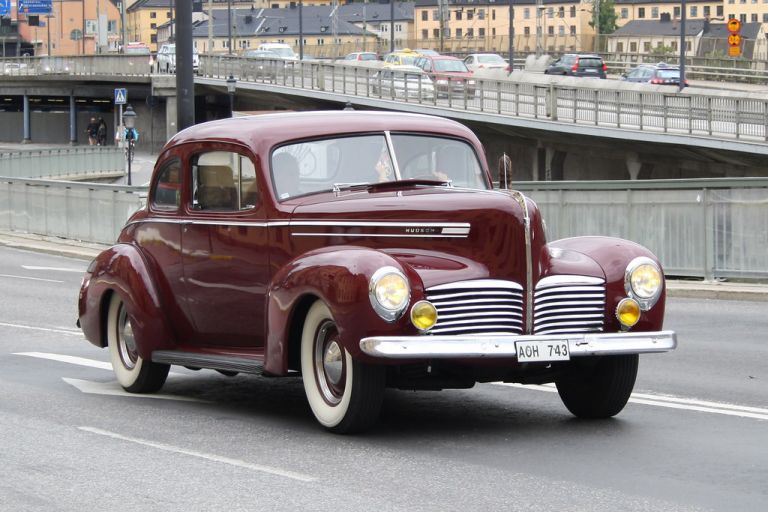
212 362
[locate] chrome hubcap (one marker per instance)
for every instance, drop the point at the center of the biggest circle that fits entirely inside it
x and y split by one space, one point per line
125 341
330 367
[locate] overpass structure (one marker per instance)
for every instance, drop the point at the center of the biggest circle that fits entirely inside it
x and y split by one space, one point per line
554 128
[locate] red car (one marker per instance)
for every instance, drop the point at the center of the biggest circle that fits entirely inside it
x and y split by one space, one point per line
364 250
451 76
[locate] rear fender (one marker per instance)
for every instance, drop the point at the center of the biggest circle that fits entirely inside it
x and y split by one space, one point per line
121 269
339 277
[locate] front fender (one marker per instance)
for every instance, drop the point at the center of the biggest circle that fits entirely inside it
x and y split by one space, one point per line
122 269
338 276
611 255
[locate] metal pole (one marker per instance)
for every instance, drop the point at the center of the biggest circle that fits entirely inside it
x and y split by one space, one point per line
301 30
392 25
48 26
597 26
185 79
682 45
442 25
130 154
229 26
210 27
511 36
122 22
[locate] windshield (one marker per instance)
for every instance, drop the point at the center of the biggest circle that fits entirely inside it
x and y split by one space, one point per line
491 59
322 165
285 53
455 66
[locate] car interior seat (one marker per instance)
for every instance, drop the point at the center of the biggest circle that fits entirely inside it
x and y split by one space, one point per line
217 189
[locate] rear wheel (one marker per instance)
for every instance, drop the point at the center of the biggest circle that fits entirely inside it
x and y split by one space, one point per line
600 387
133 373
345 395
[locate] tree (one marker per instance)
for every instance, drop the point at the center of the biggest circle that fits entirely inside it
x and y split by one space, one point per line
607 16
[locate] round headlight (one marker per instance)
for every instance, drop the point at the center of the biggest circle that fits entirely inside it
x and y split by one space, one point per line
628 312
643 281
389 293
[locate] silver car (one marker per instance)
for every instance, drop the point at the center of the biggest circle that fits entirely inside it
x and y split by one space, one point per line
477 61
405 82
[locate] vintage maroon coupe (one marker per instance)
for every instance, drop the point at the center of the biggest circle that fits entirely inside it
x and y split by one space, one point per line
364 250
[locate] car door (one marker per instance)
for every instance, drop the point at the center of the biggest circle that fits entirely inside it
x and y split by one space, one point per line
224 240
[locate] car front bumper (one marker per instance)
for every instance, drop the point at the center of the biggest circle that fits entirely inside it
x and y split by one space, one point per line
503 345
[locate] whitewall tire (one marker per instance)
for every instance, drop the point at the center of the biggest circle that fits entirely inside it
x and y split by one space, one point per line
133 373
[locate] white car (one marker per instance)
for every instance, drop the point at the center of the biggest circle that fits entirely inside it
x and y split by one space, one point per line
476 61
165 62
283 50
406 82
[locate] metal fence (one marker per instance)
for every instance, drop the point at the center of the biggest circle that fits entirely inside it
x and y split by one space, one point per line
713 228
79 211
601 103
62 162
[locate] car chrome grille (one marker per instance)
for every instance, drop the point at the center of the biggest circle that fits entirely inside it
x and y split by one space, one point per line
483 306
569 304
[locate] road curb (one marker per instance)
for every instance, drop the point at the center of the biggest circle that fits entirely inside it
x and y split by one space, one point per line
50 245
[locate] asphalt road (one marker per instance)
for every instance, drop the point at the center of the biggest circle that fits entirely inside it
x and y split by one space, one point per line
692 438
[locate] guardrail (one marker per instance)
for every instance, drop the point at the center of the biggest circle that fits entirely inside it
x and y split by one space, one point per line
78 211
710 228
62 162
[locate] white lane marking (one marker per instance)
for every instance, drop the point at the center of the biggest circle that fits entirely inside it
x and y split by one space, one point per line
55 269
44 329
114 389
201 455
81 361
689 404
31 278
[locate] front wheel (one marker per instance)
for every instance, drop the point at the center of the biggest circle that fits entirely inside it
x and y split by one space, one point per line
599 388
345 395
133 373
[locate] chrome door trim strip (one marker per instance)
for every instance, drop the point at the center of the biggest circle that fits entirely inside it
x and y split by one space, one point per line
380 235
448 228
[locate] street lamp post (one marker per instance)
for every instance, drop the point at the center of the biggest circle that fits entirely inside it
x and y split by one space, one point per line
511 37
231 87
129 119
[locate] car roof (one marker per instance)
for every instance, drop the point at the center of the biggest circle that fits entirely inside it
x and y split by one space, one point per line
441 57
405 67
262 132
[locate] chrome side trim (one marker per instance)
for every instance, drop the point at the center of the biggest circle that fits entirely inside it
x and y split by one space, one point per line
569 280
377 235
503 345
448 228
521 199
483 284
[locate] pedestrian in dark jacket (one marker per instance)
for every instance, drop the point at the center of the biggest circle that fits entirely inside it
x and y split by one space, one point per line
101 133
92 130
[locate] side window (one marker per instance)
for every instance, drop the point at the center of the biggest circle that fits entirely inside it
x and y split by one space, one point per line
223 181
167 190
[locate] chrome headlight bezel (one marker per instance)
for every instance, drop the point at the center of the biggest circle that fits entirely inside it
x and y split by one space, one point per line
390 313
646 301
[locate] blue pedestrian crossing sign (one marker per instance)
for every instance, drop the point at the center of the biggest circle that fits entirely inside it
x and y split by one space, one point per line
121 96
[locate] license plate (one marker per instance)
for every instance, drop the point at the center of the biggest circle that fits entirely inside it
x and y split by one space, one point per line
536 351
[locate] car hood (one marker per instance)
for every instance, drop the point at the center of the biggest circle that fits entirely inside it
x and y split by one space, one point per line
443 234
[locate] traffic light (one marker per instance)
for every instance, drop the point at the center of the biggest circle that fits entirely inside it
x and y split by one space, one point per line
734 37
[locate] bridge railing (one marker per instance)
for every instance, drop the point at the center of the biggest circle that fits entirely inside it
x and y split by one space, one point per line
601 103
90 161
709 228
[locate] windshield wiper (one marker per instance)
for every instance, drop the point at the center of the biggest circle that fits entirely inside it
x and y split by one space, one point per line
411 181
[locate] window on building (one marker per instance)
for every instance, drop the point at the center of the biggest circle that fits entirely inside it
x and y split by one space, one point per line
448 33
168 14
573 11
493 14
674 45
560 30
527 31
493 31
470 32
676 11
112 26
153 26
624 13
481 14
765 17
620 47
646 47
694 11
573 30
561 12
632 47
481 32
550 30
754 18
526 13
459 32
719 9
550 12
424 16
641 12
436 33
654 12
425 33
152 15
706 10
153 38
470 14
459 14
731 2
743 18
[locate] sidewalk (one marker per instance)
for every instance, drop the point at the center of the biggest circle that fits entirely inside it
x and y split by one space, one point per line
675 288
